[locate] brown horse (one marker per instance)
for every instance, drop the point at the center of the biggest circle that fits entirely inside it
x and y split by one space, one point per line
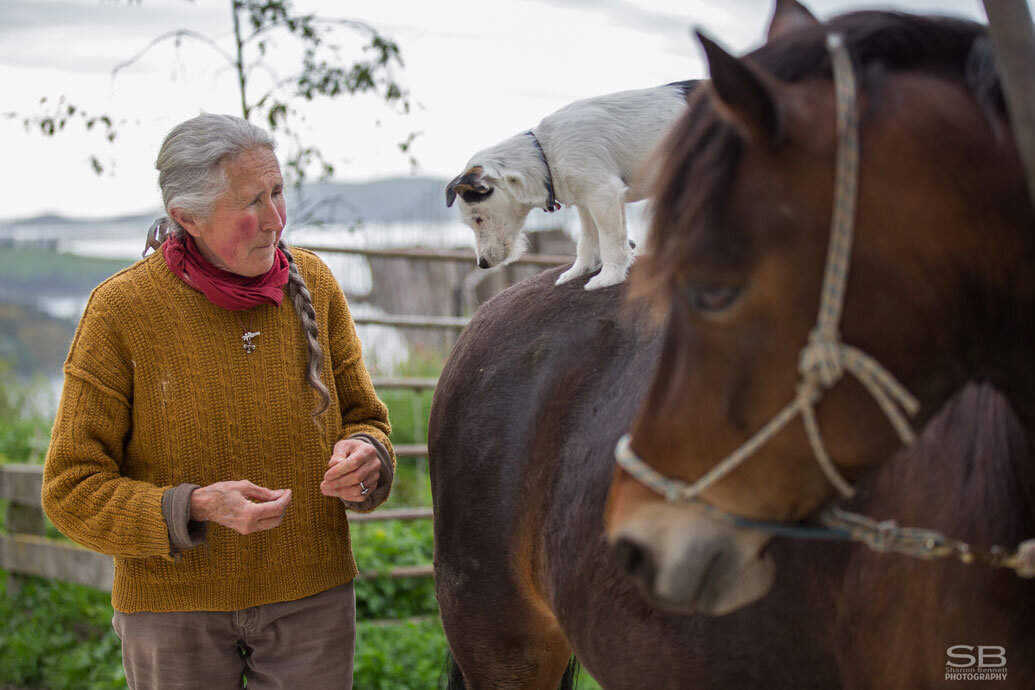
526 414
939 289
528 408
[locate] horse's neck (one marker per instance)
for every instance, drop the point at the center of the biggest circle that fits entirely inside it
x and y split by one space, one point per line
1009 355
973 468
1000 288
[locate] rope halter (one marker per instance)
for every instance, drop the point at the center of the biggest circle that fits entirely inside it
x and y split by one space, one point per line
824 359
822 362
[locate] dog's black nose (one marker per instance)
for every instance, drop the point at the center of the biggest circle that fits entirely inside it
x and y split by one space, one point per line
482 263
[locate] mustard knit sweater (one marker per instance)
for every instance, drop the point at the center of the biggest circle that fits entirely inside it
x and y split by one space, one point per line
159 392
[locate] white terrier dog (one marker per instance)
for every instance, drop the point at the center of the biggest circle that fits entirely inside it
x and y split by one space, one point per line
588 154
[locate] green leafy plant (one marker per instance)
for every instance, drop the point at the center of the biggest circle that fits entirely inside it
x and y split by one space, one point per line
58 635
399 657
24 432
380 546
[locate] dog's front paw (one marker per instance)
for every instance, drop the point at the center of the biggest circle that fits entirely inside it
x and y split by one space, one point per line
574 272
605 278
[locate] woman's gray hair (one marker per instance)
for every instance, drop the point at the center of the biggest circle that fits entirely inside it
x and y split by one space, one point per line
192 175
191 170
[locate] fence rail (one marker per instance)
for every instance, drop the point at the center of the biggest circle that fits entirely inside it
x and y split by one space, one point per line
25 550
440 254
412 321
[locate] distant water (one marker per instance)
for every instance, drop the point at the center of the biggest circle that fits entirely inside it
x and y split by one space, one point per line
384 347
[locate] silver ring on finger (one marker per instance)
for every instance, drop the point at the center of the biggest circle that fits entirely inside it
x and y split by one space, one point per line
363 489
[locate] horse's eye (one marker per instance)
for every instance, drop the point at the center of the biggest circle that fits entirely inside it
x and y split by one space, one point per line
712 297
478 220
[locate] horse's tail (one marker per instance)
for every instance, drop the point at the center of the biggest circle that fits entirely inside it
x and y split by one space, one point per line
454 679
450 678
570 679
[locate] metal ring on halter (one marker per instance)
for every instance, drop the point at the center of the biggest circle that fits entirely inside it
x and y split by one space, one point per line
364 489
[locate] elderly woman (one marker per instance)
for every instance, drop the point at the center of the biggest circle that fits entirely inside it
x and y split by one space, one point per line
211 434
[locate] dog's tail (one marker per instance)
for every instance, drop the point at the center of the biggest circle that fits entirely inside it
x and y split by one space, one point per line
686 87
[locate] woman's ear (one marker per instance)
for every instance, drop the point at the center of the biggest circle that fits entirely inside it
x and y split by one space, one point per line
184 220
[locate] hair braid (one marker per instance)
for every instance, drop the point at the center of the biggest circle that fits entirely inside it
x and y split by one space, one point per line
303 303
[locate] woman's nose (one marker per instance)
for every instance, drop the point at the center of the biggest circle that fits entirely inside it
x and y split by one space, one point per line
272 216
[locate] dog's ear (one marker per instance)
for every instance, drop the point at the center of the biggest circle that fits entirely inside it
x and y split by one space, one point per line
514 178
472 180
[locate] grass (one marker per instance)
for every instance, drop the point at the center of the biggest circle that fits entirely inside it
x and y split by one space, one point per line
44 267
58 636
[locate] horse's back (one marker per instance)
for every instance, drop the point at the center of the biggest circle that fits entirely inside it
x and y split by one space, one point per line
540 373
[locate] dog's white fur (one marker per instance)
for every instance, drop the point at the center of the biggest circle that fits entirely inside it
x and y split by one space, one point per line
596 150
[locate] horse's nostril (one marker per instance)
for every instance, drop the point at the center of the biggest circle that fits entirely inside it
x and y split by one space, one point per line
635 561
482 263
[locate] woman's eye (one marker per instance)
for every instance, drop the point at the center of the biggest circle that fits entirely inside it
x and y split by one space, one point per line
712 297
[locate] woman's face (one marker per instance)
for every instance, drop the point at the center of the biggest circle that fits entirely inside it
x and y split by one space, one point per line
246 222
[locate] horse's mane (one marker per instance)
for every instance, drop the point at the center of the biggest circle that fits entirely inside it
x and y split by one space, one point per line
704 147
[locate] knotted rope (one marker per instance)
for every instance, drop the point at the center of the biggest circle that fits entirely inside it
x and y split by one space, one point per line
821 364
824 360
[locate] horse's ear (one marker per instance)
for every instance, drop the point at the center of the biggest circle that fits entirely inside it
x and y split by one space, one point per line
789 16
749 95
473 180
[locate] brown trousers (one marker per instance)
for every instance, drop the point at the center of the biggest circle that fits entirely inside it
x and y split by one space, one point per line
309 643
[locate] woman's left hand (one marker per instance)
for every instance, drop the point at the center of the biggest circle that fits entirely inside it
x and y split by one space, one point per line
354 471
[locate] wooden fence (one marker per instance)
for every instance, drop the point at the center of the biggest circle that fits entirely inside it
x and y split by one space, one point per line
26 550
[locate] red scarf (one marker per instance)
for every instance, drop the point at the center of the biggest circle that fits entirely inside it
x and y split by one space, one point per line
223 288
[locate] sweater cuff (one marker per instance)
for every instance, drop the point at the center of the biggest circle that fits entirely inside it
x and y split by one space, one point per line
184 533
384 481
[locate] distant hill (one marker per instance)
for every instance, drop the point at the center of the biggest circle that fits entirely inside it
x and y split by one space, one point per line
399 199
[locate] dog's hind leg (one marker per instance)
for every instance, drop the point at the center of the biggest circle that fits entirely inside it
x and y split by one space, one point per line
608 211
587 250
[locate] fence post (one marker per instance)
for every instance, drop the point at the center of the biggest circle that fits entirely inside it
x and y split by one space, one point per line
418 432
1013 42
22 519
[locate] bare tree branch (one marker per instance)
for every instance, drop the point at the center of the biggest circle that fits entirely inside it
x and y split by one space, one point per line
353 23
177 34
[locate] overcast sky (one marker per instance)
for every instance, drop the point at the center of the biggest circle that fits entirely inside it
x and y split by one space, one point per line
476 74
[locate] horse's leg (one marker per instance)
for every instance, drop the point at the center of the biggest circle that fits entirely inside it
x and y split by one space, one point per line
502 640
488 575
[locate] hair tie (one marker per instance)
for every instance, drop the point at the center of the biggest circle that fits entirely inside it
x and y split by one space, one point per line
156 235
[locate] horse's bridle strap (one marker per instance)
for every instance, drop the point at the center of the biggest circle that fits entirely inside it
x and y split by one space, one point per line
824 359
822 363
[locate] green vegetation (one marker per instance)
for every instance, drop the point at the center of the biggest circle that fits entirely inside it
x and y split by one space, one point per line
31 340
380 546
24 432
33 272
58 636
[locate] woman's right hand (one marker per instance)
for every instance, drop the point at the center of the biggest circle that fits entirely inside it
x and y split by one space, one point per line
240 505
